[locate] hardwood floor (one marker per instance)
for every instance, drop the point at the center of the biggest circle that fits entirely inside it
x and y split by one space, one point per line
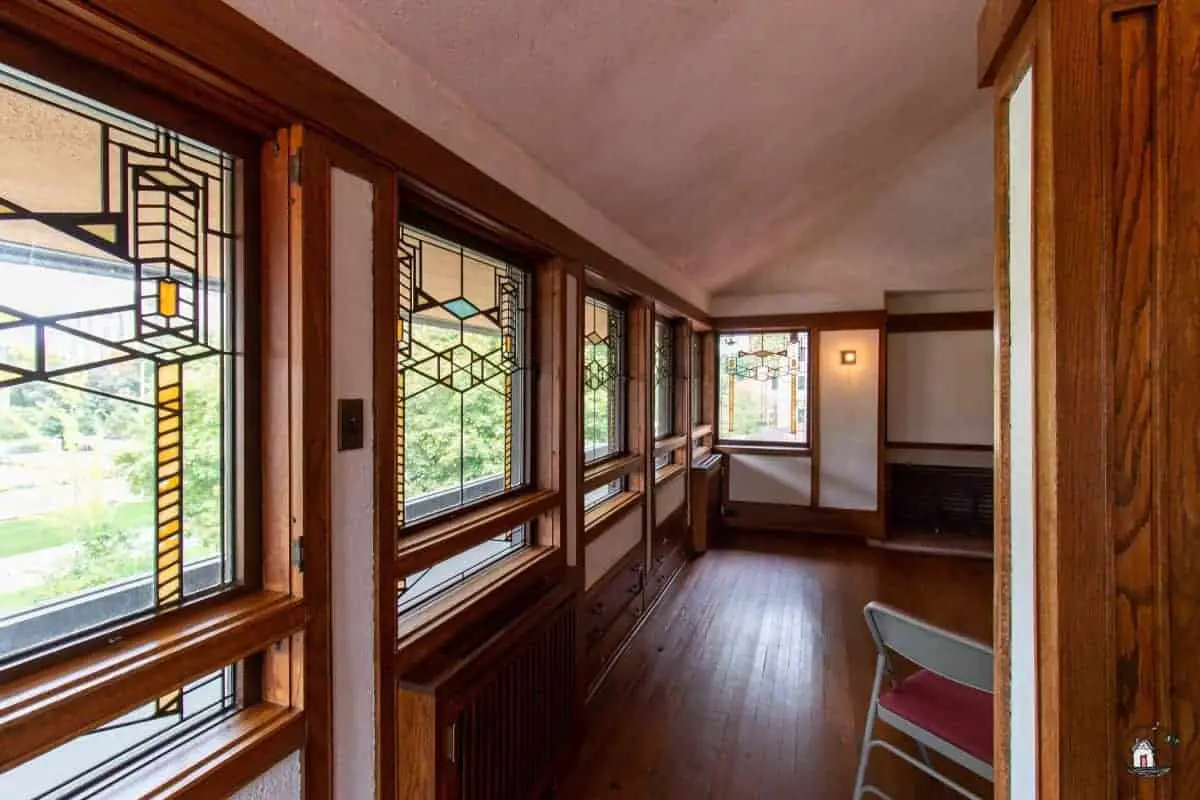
751 678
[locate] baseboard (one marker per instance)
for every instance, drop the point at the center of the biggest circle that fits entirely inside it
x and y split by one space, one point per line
802 519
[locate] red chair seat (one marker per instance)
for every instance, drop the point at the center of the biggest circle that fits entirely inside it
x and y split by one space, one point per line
959 714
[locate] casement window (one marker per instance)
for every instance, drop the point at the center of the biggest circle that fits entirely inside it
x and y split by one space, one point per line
464 398
697 380
464 379
604 390
764 395
121 368
664 379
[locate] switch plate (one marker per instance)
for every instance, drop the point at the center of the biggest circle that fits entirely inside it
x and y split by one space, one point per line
350 423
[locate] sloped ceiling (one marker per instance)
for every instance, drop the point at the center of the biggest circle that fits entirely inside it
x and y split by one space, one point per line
760 146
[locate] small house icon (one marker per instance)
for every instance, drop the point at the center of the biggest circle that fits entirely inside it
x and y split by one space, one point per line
1144 755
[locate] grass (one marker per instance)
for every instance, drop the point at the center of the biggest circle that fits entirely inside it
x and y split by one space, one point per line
29 534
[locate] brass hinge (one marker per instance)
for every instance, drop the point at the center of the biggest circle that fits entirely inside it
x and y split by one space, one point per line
452 742
295 161
298 553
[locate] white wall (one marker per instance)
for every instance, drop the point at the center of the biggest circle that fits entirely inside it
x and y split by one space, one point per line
668 497
849 420
353 499
749 305
1023 587
280 782
770 479
613 545
940 387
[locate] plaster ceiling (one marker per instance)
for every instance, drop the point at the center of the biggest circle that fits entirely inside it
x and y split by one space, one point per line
760 146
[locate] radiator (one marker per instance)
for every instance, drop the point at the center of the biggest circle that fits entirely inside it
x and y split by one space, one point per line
506 709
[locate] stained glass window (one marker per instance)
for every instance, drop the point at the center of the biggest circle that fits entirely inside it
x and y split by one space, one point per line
764 387
118 372
464 378
90 765
664 378
697 380
424 585
603 380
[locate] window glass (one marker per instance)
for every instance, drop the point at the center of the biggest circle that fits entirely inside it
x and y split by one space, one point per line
603 380
464 378
664 377
89 765
424 585
118 373
661 461
763 383
601 493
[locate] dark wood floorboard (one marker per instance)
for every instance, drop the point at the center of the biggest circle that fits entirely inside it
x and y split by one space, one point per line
751 678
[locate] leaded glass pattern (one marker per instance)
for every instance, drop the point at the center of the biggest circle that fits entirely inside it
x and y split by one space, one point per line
603 380
764 387
664 379
424 585
697 380
464 378
118 291
91 764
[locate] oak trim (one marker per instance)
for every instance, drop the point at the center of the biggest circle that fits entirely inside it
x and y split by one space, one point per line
608 471
668 472
951 321
603 516
669 443
222 760
700 431
834 321
45 709
796 451
964 447
999 23
441 539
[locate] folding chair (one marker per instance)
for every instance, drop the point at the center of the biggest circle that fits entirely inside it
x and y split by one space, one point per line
945 706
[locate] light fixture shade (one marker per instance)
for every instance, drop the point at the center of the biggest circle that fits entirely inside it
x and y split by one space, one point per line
849 357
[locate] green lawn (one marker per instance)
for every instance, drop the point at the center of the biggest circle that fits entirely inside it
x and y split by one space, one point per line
26 535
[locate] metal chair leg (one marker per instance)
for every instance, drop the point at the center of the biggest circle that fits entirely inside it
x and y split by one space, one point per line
880 667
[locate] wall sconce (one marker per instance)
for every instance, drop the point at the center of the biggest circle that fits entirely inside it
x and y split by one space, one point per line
849 357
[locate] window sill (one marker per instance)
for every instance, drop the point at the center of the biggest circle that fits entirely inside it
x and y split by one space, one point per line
438 541
669 443
608 471
666 473
794 450
701 431
223 759
423 630
604 515
44 709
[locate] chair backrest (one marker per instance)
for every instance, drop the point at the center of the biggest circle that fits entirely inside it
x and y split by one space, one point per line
940 651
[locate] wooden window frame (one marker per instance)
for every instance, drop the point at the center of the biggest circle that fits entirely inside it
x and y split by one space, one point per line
623 407
758 446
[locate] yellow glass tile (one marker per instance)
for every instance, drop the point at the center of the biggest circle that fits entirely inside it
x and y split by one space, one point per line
168 393
400 330
168 454
5 209
168 374
168 484
106 231
168 499
169 528
168 469
168 423
168 515
168 438
168 297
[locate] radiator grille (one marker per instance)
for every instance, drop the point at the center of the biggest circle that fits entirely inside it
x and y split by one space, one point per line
940 499
511 726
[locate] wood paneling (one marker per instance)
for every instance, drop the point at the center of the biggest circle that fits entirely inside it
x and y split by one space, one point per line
599 519
751 678
608 471
952 321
